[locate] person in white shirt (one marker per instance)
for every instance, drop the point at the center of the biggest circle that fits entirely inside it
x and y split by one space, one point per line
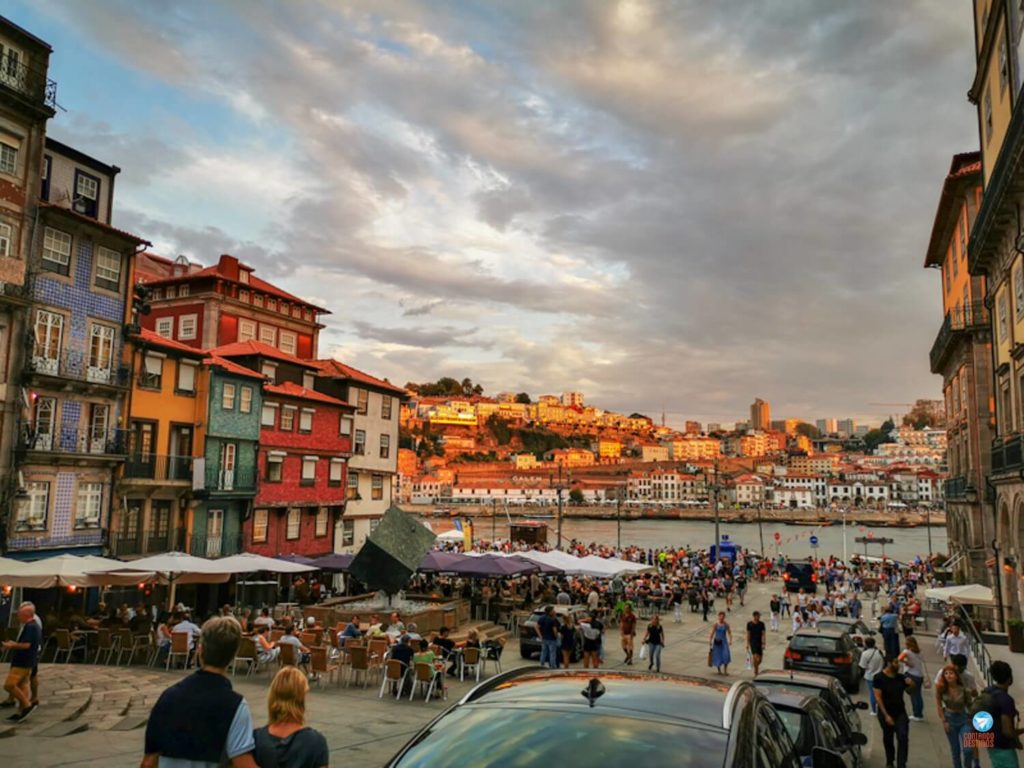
186 625
264 619
955 642
798 620
871 661
593 599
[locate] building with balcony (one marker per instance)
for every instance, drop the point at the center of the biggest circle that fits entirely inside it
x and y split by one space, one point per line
27 102
73 435
374 462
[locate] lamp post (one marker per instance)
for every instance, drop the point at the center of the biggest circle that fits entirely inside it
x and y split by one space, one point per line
760 530
618 521
714 509
971 495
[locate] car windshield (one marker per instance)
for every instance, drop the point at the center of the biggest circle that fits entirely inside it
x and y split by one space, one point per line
511 737
798 727
815 643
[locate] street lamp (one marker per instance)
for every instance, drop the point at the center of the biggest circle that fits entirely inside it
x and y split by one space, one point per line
971 495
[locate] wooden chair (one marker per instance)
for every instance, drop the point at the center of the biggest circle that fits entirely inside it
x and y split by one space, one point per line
427 677
276 634
358 662
289 655
395 673
309 639
470 659
247 655
179 647
106 646
68 645
378 649
320 665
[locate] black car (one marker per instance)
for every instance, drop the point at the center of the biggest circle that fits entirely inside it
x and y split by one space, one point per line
828 689
800 575
529 642
826 651
812 724
574 717
855 628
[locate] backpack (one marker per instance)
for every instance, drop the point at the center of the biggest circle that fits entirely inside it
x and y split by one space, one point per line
985 702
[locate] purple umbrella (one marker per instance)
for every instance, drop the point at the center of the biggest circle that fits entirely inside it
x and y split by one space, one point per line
333 562
436 561
544 567
494 566
293 558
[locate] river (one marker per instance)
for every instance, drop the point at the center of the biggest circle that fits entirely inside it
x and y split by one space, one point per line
794 539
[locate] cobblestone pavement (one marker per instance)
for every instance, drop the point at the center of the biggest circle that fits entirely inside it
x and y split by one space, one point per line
94 715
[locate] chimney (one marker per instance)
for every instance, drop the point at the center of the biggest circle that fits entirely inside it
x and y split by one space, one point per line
228 266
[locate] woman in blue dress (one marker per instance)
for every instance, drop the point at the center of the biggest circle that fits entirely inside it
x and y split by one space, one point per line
720 639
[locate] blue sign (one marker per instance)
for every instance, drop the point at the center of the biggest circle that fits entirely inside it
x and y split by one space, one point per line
982 722
814 541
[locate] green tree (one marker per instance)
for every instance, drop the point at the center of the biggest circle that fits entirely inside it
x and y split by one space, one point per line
808 430
497 427
576 496
524 398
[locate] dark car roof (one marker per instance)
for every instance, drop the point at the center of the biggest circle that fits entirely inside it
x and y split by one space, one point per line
792 699
846 620
816 632
662 695
806 679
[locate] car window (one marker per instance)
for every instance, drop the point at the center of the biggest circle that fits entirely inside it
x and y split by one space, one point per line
829 735
797 725
774 746
814 642
509 737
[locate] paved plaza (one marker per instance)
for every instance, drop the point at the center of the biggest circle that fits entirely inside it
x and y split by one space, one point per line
102 709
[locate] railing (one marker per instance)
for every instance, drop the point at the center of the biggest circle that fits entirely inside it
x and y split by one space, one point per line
154 467
978 650
239 479
73 440
141 544
203 545
76 365
91 538
973 315
27 80
955 487
10 290
1007 454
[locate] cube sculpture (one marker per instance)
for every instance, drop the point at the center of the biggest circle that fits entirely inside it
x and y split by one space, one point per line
392 553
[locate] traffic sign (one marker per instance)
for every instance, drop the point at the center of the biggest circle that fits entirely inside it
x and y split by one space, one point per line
814 541
778 536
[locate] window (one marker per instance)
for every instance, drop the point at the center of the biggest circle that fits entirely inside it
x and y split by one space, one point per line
87 509
352 489
1003 327
227 401
108 269
360 444
1004 66
377 487
259 525
954 261
8 159
186 376
362 400
101 353
87 194
288 342
308 314
5 240
268 335
56 251
49 331
294 523
306 420
257 299
348 532
243 296
337 472
246 330
152 371
269 415
165 327
275 467
183 291
346 425
288 418
269 370
187 327
321 522
1018 292
988 115
296 311
308 470
32 516
385 446
272 305
172 292
44 191
385 407
308 380
947 271
243 277
245 400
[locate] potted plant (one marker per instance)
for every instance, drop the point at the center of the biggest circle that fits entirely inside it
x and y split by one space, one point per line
1015 635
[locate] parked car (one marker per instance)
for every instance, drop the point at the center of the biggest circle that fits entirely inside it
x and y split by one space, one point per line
828 689
572 717
800 575
812 724
855 628
529 642
827 651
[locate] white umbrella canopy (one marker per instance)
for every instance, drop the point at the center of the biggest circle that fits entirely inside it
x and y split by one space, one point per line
968 594
67 570
250 562
173 568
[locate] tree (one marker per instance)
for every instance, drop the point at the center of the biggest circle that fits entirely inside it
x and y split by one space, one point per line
523 397
808 430
501 431
576 496
478 389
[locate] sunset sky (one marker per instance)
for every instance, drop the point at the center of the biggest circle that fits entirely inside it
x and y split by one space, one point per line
675 206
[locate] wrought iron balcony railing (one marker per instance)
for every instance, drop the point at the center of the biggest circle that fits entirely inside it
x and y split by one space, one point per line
149 543
27 80
203 545
77 365
239 479
155 467
1008 454
111 443
969 317
955 488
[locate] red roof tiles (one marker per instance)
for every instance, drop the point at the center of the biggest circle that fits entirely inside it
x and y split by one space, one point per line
290 389
251 347
338 369
154 339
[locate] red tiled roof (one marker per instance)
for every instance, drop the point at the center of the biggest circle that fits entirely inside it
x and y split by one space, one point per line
338 369
150 337
94 222
226 365
290 389
251 347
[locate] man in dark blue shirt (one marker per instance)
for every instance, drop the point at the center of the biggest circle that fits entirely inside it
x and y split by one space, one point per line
547 631
24 660
1006 729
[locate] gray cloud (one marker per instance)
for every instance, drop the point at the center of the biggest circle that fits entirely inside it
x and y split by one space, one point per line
442 336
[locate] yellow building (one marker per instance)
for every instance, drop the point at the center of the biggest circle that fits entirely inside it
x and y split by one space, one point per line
608 449
525 461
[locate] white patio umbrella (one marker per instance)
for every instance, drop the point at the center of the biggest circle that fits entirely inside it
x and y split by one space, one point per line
967 594
174 568
250 562
67 571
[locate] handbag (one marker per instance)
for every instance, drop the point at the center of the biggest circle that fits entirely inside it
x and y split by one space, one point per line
709 658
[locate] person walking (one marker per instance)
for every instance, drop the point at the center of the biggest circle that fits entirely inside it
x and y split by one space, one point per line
952 698
719 640
627 632
755 641
285 741
547 630
888 623
24 660
655 641
955 642
200 721
913 666
1006 725
871 661
890 686
33 679
774 607
567 640
705 601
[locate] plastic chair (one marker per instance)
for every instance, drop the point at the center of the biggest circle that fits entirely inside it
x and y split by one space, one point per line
129 644
378 649
492 652
289 656
247 655
106 645
471 659
179 647
395 673
68 645
320 665
426 676
358 662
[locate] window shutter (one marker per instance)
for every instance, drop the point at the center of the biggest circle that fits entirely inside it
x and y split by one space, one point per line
186 377
154 365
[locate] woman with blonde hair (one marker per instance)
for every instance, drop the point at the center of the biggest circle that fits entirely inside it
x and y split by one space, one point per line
285 741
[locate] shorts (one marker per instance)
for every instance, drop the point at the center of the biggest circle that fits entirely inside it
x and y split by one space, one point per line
756 650
17 675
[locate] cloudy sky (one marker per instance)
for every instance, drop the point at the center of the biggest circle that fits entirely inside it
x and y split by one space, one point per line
667 205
